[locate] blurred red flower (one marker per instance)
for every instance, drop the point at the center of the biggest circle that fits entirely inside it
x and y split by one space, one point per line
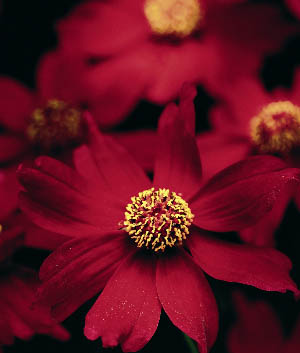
258 329
34 123
254 121
19 315
127 50
130 235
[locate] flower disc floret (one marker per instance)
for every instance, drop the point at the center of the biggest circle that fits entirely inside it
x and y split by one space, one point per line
173 17
156 219
56 125
276 129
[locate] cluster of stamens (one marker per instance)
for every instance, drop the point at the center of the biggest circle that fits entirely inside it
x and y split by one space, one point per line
156 219
56 125
173 17
276 129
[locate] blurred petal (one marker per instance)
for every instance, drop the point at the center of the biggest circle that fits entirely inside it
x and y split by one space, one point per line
102 29
294 6
23 317
16 104
257 329
172 65
11 147
9 189
293 342
210 144
140 144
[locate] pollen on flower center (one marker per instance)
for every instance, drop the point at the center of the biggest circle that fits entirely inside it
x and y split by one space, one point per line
173 17
56 125
276 129
156 219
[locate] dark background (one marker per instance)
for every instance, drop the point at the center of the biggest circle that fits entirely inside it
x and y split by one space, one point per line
27 30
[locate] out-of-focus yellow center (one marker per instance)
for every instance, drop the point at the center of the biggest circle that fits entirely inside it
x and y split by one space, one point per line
173 17
56 125
276 129
156 219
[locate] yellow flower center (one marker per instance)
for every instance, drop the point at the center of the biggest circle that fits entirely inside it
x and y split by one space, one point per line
173 17
276 129
156 219
57 125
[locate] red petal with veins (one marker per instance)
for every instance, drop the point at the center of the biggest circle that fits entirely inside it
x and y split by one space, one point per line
187 298
127 312
173 170
264 268
76 265
241 194
77 213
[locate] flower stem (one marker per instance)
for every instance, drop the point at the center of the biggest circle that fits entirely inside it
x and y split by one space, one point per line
190 343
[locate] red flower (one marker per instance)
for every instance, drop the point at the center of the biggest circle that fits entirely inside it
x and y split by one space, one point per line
19 316
36 122
121 223
128 50
258 329
250 121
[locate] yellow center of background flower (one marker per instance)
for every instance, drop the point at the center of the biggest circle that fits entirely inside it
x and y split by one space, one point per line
156 219
173 17
276 129
55 126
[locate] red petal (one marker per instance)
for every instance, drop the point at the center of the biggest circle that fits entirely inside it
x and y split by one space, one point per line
294 6
264 268
9 189
293 342
75 206
172 65
257 329
244 99
36 237
187 298
297 198
11 147
263 232
210 144
78 270
108 89
115 170
24 318
245 34
102 29
127 312
241 194
10 240
186 107
140 144
177 165
57 78
12 115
